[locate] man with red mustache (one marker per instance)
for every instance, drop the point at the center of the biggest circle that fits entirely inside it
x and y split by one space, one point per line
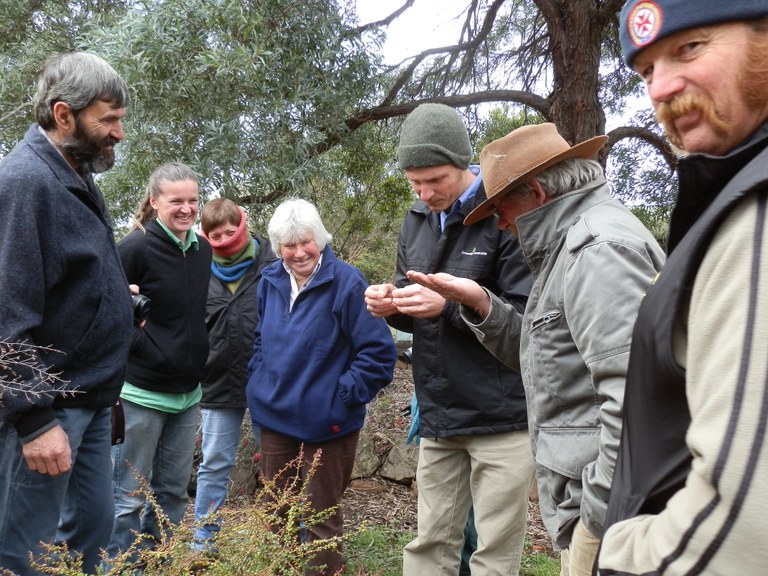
691 479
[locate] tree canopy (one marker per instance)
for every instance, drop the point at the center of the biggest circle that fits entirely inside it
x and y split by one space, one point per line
269 98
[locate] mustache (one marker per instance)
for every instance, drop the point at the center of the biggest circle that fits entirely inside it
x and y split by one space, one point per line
668 112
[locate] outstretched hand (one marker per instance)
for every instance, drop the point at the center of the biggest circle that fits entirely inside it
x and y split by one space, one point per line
462 290
384 300
418 301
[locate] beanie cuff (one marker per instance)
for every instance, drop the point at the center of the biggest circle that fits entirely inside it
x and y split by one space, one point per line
425 155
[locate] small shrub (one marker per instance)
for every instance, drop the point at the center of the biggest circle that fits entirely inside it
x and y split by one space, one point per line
255 540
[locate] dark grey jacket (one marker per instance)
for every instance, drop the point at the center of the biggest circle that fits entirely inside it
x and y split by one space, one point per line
461 388
231 320
61 283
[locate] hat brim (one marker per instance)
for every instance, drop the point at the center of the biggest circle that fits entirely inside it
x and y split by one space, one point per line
587 150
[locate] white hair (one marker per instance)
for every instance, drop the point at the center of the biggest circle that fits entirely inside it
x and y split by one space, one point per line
291 222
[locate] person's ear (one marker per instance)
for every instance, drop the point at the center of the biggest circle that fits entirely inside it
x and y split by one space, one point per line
63 115
539 194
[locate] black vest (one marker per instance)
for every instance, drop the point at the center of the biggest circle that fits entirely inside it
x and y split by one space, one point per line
653 460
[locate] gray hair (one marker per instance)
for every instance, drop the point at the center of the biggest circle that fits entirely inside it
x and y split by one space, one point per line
78 79
563 177
291 222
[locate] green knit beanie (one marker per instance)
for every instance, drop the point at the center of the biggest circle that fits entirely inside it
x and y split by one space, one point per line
433 135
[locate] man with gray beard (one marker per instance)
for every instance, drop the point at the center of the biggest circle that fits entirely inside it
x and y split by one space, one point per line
65 295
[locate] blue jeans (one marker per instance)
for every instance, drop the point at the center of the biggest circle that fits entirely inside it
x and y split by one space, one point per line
221 438
158 447
76 507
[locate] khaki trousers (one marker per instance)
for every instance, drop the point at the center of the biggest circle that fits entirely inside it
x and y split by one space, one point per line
578 558
493 473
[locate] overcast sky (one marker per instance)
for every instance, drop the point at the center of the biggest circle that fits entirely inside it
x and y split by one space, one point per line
427 24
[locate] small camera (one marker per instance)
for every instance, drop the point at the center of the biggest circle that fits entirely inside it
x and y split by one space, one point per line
141 305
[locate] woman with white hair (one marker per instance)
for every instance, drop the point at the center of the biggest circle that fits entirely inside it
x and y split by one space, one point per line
320 357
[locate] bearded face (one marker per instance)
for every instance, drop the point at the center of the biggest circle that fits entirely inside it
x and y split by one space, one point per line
93 154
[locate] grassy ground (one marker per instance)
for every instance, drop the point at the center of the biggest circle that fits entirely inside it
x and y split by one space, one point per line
378 551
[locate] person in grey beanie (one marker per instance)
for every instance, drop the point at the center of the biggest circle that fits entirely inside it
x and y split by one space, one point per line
691 479
474 450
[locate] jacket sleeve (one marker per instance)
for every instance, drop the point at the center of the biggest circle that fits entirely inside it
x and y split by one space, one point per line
500 331
511 284
604 286
28 264
130 257
373 353
401 322
721 344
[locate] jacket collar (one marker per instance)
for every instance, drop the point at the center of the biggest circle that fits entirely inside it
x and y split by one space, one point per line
702 177
278 274
80 185
461 212
543 229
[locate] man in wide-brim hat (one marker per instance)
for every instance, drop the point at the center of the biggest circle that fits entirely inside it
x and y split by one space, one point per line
592 261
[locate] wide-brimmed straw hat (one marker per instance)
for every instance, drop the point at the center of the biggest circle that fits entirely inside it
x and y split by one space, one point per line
510 161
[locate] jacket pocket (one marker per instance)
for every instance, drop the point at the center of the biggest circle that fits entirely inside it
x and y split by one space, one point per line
546 318
561 454
567 450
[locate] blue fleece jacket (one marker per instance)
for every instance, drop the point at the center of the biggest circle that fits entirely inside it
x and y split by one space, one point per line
315 367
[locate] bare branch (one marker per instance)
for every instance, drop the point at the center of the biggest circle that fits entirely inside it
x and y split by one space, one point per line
382 23
658 142
457 101
5 117
21 372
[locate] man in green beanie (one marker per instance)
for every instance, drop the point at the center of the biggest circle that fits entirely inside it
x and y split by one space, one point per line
474 450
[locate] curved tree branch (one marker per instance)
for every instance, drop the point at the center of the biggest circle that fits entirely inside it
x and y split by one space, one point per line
385 112
658 142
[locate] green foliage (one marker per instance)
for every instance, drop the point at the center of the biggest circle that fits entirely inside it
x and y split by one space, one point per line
261 539
501 121
245 92
538 564
656 219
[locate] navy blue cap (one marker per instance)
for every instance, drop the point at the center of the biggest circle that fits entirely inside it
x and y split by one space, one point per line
645 21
